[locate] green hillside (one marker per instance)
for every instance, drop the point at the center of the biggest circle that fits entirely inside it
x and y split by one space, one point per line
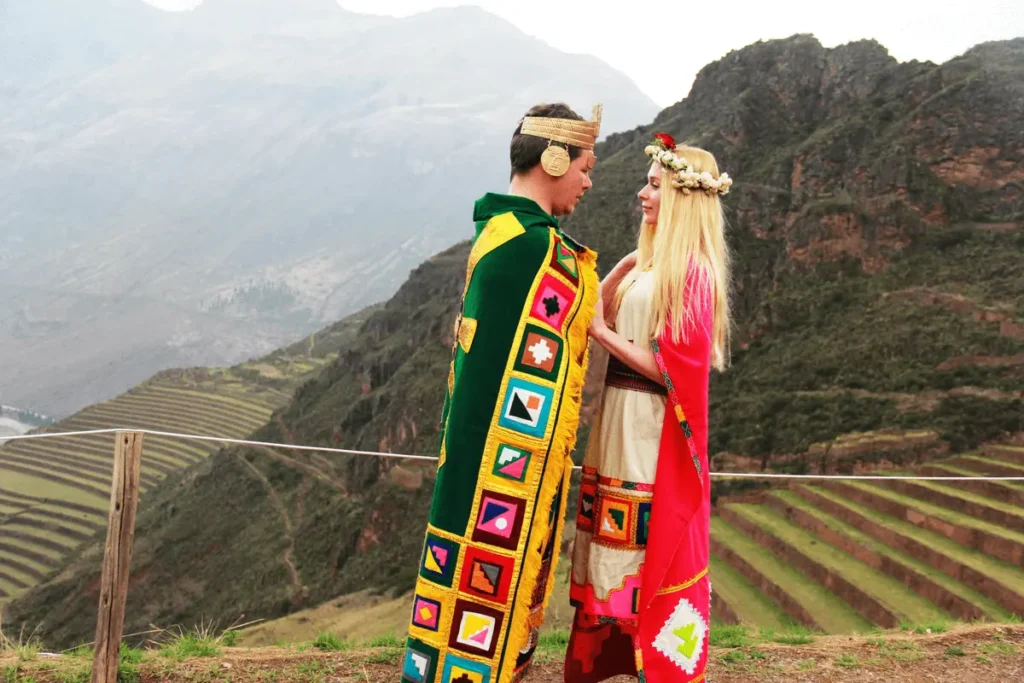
876 224
54 493
893 552
830 558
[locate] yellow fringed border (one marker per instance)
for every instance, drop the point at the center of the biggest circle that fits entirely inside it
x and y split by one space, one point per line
563 440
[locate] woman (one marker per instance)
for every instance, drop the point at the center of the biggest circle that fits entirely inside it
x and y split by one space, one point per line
639 575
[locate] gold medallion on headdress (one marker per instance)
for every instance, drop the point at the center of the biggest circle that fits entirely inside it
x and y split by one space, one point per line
555 160
582 134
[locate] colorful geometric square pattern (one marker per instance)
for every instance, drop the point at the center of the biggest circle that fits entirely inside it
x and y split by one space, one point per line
615 522
563 261
420 662
486 575
526 407
511 463
681 639
587 506
460 670
439 559
426 613
642 523
553 301
540 353
588 499
475 628
499 520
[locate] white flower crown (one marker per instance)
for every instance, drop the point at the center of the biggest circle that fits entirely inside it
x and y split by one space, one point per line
685 178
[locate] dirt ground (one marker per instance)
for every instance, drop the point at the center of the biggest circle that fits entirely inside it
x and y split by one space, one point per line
978 654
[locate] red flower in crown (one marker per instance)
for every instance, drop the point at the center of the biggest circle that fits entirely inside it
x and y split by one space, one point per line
665 140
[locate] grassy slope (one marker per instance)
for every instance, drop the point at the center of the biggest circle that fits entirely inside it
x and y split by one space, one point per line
942 513
908 607
749 604
991 609
832 614
988 566
893 595
231 402
991 653
1013 511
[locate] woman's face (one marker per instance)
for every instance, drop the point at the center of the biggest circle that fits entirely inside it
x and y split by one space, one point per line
650 195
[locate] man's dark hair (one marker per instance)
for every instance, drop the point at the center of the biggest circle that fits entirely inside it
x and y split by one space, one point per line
525 150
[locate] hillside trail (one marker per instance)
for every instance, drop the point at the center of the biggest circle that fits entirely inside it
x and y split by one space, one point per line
305 466
286 520
980 654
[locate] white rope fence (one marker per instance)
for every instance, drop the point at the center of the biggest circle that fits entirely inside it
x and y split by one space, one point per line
401 456
219 439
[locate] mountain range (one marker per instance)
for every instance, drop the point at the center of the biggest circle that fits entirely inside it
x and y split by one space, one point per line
198 188
877 228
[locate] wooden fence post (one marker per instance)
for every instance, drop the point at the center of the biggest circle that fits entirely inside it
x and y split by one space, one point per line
117 556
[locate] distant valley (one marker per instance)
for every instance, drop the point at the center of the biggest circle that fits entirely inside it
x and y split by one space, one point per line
200 188
15 421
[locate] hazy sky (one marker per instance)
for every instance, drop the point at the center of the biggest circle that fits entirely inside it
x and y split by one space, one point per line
661 44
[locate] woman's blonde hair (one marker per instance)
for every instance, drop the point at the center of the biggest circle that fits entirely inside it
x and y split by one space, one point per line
690 233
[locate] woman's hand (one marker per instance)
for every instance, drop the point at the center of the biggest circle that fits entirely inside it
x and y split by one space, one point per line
610 284
640 359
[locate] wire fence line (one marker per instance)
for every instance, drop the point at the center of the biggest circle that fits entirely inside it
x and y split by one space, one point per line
428 458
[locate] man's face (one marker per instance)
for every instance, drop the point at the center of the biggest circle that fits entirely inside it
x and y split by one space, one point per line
567 191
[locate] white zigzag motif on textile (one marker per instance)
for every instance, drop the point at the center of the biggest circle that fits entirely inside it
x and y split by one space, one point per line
508 455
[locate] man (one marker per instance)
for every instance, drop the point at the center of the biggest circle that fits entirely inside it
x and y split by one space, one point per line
510 414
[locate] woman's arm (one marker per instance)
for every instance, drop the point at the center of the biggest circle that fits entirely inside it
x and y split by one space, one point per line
640 359
610 284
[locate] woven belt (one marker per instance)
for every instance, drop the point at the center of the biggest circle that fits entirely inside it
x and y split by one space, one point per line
621 376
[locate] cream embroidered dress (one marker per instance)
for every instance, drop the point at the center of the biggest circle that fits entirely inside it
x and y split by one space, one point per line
618 475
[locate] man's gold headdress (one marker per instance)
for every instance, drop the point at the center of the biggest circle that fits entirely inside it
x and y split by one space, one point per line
582 134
